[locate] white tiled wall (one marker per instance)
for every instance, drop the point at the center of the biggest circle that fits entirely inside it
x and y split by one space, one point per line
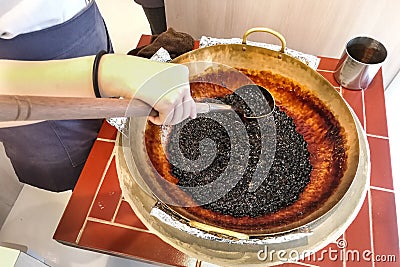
315 27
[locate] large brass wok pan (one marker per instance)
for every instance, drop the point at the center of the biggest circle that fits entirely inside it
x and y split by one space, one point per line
133 163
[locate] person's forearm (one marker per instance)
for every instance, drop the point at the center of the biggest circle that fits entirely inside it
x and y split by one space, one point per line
124 76
119 76
165 86
70 77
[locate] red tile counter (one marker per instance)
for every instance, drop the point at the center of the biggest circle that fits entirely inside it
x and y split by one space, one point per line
98 218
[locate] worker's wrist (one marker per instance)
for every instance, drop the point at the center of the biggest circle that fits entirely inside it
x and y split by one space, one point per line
112 76
95 73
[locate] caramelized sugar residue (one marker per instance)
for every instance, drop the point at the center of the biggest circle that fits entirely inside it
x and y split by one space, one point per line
326 144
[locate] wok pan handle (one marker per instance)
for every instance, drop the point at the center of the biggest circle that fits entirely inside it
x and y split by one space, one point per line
34 108
28 108
267 30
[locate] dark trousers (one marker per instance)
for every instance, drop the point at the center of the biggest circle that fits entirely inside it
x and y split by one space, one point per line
156 18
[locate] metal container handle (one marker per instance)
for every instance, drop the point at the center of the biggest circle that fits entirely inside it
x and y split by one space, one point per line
267 30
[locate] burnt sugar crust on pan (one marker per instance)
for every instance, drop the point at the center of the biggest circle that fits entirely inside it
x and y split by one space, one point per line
284 148
315 162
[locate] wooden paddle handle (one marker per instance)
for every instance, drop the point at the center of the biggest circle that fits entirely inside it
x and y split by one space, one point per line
26 108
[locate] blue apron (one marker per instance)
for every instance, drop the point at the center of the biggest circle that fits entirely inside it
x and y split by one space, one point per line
51 154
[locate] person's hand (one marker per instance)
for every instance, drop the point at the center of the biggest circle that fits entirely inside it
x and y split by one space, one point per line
174 106
164 86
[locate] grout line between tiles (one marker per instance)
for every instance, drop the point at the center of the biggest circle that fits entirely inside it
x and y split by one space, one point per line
382 189
378 136
371 233
344 250
118 225
94 197
331 71
105 140
304 264
363 110
117 209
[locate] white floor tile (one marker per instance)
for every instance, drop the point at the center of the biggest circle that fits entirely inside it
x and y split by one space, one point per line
32 223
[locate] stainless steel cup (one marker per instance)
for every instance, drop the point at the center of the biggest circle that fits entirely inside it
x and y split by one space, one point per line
360 62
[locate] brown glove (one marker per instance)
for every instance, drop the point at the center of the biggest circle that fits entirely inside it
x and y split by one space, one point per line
176 43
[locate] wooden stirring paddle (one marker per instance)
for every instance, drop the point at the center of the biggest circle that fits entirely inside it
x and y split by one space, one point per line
33 108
